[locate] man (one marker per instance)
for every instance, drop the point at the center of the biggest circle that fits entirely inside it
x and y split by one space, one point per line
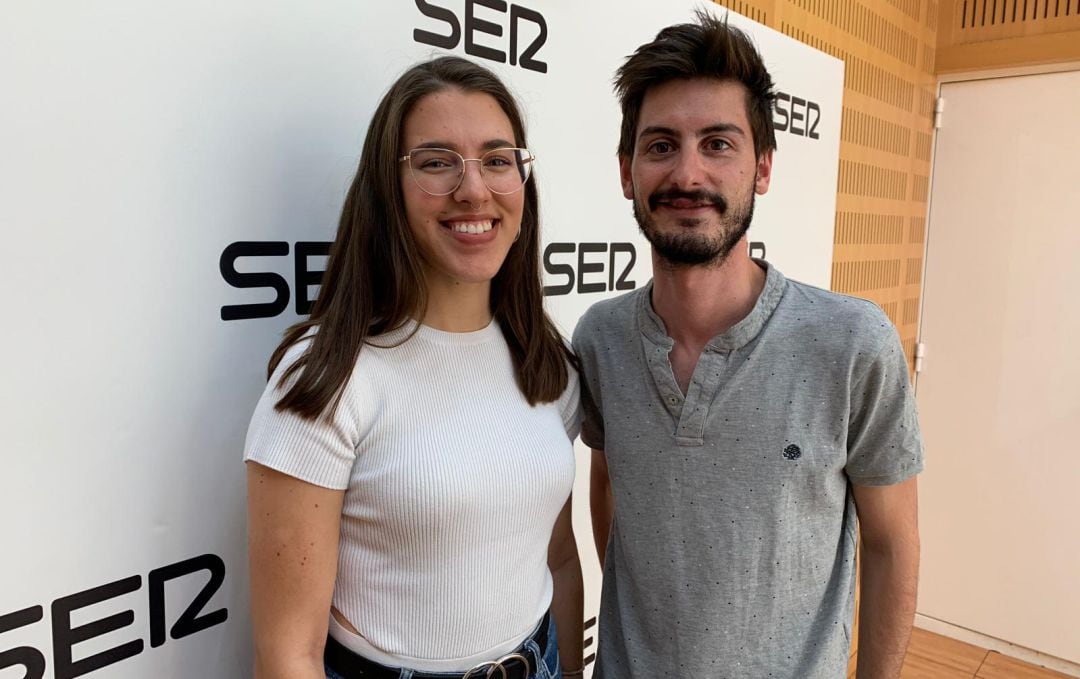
739 421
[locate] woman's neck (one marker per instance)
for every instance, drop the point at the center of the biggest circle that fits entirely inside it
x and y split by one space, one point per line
458 307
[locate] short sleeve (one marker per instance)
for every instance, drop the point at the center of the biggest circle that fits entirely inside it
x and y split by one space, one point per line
319 451
884 443
592 421
570 403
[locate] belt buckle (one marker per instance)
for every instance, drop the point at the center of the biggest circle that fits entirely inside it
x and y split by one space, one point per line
498 665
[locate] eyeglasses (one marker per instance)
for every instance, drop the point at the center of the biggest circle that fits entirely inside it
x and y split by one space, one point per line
440 172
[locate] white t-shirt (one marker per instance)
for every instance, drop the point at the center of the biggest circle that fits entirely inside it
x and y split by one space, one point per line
452 486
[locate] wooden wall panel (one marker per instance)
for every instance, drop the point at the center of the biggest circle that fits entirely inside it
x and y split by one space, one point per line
989 34
889 48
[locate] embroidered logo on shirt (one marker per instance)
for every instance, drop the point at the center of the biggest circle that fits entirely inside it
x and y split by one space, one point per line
792 452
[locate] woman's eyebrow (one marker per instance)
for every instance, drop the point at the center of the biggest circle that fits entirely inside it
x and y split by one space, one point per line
497 144
451 146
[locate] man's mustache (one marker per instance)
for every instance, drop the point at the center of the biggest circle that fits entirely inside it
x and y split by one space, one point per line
668 195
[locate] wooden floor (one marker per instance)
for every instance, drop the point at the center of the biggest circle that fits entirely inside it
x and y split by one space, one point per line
932 656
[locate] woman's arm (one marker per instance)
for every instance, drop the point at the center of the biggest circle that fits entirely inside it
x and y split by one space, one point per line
567 603
293 551
601 504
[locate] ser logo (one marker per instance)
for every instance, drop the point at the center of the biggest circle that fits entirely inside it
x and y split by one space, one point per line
583 274
474 24
65 636
795 115
304 277
588 264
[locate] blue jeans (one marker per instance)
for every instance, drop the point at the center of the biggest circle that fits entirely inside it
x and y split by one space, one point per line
549 667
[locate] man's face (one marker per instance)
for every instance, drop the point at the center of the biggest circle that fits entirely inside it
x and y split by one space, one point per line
694 173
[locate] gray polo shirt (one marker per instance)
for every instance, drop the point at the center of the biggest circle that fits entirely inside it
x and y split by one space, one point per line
733 544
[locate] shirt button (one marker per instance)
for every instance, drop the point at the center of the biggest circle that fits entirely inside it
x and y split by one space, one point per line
672 399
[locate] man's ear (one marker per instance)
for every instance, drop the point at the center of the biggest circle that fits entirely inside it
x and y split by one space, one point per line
764 172
625 168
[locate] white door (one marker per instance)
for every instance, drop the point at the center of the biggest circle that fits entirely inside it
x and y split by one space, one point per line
999 395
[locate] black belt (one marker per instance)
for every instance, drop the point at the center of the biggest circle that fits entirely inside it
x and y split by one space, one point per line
520 664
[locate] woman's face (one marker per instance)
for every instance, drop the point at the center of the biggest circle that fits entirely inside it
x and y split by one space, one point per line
463 236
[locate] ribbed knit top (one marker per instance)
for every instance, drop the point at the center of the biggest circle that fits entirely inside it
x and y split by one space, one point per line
452 486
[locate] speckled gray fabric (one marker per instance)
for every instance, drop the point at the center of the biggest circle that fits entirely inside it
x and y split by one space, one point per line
732 549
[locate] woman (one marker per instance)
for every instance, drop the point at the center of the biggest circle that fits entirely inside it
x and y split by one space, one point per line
410 462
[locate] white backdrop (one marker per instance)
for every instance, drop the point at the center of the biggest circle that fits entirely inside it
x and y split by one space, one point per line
138 143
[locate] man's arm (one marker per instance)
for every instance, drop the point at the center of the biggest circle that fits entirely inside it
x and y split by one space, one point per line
567 603
889 573
601 503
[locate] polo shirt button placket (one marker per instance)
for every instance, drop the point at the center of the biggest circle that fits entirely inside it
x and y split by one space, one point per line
704 389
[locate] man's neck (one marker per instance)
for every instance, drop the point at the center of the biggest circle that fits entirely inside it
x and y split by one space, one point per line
699 303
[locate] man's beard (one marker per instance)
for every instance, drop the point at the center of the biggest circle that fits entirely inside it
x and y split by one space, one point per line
690 247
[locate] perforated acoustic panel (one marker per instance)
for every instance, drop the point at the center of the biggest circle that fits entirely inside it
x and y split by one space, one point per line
986 34
888 48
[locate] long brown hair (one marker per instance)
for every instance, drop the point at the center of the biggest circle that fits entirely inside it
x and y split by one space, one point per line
374 281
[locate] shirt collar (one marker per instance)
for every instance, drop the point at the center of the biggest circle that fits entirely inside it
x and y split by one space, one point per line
738 335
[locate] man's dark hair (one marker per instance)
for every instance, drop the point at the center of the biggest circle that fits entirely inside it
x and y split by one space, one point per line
709 48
